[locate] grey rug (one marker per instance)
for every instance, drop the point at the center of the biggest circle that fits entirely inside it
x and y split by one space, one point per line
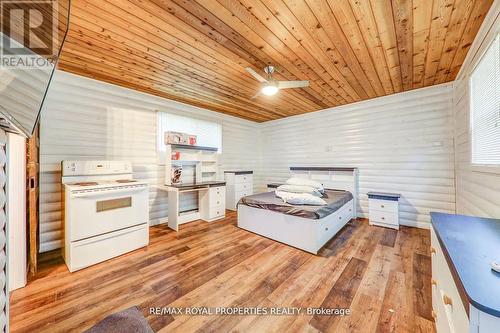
130 320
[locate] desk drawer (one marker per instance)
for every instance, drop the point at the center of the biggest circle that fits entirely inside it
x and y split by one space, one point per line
216 211
217 196
383 205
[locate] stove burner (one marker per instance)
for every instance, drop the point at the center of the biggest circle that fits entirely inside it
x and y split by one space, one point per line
126 181
86 184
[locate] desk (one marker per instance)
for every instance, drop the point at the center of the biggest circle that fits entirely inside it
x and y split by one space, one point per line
211 202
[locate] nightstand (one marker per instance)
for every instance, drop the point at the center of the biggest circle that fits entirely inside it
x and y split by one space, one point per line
384 209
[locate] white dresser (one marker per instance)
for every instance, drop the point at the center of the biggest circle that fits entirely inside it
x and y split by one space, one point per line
239 184
384 209
465 290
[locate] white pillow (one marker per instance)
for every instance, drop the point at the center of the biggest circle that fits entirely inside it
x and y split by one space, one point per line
300 198
306 182
299 189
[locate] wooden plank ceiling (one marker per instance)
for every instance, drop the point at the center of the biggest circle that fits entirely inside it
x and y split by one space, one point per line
195 51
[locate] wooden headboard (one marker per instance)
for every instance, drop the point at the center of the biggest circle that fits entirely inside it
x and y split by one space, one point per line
339 178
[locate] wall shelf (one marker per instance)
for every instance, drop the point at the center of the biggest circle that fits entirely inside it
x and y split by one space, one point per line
190 147
203 159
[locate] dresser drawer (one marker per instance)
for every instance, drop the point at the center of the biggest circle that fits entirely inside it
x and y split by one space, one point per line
384 217
383 205
241 194
243 187
246 178
447 302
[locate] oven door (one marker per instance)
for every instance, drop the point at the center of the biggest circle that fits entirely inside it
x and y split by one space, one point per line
95 213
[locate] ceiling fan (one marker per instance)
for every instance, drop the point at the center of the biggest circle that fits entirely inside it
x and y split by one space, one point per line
271 86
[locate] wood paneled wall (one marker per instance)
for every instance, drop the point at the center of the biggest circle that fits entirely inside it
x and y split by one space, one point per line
478 189
196 51
87 119
401 143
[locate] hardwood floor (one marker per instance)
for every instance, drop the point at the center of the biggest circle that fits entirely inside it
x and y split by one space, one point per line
382 275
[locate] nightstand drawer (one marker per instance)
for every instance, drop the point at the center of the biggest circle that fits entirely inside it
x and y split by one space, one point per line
383 205
384 217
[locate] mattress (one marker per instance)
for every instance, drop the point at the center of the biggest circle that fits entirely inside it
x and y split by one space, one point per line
335 199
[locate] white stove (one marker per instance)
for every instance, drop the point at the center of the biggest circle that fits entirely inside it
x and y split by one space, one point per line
106 211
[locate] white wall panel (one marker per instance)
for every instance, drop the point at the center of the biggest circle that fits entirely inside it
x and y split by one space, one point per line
401 143
4 234
478 189
87 119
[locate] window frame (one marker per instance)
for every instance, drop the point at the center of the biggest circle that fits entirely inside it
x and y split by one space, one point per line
479 167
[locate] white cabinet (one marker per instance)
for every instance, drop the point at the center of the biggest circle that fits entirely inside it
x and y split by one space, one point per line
452 309
239 185
384 209
449 311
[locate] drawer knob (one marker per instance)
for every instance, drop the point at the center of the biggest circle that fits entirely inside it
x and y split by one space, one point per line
326 229
218 202
383 218
434 282
340 217
433 250
447 300
382 206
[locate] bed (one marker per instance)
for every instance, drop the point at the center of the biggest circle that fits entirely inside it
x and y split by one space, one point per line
305 227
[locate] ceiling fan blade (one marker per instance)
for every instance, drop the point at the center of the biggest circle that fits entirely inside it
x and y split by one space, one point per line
292 84
255 74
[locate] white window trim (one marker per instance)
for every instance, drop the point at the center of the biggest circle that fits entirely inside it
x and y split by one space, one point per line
476 167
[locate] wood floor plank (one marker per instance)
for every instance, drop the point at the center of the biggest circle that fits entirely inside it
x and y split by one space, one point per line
383 276
342 293
389 237
394 316
422 286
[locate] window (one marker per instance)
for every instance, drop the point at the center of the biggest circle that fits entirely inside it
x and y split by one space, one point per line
485 108
208 133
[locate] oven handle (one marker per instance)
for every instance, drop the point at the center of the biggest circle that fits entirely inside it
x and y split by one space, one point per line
101 193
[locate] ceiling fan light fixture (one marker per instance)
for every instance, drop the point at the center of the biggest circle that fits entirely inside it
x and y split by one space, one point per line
269 90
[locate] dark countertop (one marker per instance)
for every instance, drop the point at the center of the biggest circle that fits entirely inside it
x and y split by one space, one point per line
240 172
300 168
198 185
384 196
470 244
